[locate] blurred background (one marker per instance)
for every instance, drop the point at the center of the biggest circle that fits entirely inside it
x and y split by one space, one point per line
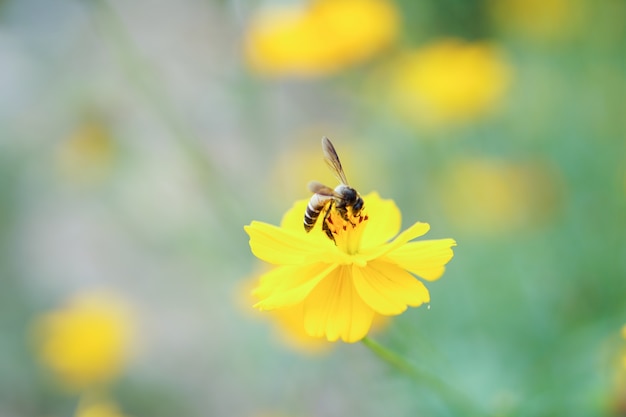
137 138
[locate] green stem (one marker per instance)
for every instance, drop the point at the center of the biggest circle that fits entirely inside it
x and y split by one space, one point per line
451 395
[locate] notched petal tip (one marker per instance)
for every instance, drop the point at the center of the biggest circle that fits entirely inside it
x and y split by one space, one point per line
426 258
388 289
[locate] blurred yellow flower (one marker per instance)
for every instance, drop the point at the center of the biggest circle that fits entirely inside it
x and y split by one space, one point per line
98 407
490 196
624 356
86 342
541 19
320 38
87 155
448 81
336 288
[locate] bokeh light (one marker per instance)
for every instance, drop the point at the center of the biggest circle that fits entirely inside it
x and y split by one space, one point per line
448 81
85 343
320 37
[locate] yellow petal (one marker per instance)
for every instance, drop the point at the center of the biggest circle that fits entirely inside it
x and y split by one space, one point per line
293 220
387 288
384 220
294 217
288 285
334 309
415 231
425 259
281 246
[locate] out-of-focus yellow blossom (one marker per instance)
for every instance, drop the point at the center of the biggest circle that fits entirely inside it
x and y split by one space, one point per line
448 81
87 341
87 155
624 355
539 19
319 38
491 196
618 393
98 407
339 286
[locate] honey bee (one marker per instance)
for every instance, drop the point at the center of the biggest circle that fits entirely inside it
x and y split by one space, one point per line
342 198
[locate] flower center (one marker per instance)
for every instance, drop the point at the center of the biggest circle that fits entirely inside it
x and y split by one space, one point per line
347 229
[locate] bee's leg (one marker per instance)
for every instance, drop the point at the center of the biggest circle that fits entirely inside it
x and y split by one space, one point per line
328 220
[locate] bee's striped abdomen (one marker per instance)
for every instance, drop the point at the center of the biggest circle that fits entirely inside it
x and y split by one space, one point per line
313 210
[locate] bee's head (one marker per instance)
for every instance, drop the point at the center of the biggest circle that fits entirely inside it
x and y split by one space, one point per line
358 204
352 198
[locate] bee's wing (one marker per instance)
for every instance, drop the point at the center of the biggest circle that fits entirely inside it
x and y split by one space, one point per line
319 188
332 160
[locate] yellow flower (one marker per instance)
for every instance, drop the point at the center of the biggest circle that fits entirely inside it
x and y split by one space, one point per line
448 81
624 356
321 38
97 406
540 19
86 342
338 287
87 155
493 196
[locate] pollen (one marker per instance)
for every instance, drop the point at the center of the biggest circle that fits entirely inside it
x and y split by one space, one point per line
346 232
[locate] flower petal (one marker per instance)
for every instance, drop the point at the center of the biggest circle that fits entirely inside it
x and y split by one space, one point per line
417 230
387 288
334 309
289 284
425 259
294 217
281 246
384 220
294 220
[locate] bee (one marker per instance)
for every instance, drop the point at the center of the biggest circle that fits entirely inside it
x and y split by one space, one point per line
342 198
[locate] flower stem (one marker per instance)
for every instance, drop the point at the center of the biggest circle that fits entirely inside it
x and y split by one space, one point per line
447 392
